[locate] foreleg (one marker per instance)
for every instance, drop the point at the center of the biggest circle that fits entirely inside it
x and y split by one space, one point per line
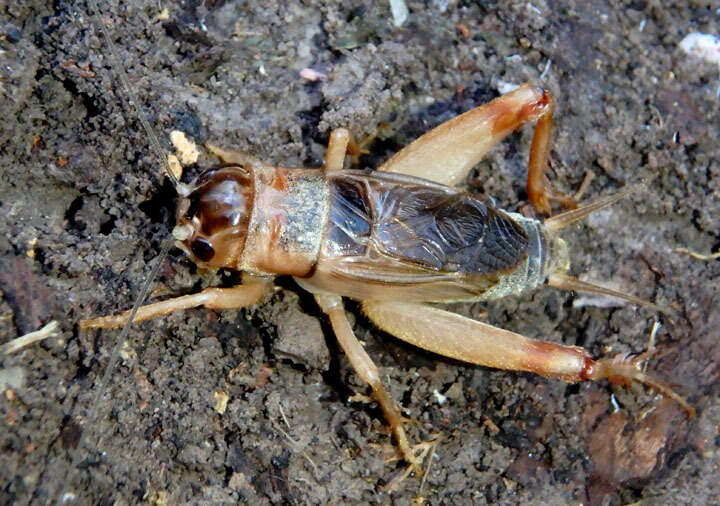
235 297
231 156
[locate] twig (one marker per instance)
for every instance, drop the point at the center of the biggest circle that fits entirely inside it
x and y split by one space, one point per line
294 445
699 256
49 330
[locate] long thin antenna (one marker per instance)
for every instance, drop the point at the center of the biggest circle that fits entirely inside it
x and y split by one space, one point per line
114 359
94 414
123 78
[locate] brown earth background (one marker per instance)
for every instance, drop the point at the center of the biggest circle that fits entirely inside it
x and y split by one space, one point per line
85 209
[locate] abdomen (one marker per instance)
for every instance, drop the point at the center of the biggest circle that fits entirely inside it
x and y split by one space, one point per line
390 236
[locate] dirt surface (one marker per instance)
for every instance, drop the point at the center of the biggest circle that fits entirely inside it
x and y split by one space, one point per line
85 209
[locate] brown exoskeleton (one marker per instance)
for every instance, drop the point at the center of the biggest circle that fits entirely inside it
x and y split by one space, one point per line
396 239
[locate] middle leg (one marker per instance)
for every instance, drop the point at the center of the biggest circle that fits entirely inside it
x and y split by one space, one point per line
337 147
367 370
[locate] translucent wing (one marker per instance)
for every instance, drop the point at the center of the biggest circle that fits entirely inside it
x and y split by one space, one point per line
393 236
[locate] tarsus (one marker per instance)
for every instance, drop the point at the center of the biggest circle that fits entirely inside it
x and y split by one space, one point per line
623 369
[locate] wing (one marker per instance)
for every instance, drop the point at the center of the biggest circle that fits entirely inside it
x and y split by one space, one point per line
391 236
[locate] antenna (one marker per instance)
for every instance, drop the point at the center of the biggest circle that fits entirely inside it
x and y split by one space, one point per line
114 359
130 92
94 413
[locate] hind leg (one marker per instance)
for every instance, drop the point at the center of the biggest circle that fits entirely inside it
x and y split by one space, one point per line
446 153
462 338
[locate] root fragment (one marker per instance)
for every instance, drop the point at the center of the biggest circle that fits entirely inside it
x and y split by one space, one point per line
699 256
50 330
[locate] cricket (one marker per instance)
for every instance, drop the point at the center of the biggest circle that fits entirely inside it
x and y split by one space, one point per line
396 239
401 242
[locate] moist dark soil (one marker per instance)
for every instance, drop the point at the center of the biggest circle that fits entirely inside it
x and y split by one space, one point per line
85 209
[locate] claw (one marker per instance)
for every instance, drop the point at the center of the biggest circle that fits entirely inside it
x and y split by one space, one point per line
418 451
624 369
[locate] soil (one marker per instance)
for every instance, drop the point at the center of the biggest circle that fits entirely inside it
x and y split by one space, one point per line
85 208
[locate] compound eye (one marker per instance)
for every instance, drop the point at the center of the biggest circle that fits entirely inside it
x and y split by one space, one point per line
202 249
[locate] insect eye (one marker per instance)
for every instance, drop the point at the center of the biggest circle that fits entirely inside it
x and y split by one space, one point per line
202 249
